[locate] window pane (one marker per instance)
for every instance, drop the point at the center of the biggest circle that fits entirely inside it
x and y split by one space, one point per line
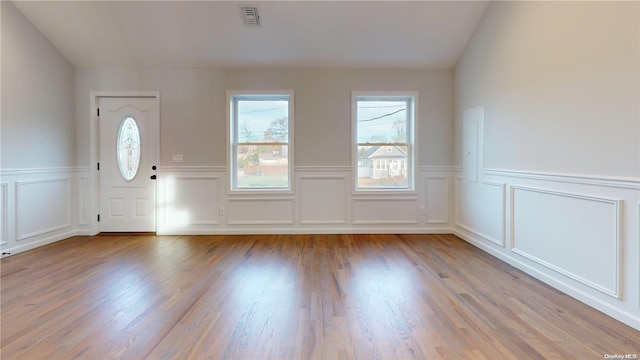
128 148
262 166
263 121
260 140
381 121
382 166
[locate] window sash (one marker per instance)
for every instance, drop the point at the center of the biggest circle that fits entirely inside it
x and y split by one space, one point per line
235 171
402 168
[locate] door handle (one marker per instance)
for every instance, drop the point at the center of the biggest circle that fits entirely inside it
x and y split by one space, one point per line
153 177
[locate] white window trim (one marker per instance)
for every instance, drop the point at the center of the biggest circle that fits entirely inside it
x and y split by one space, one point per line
412 141
232 125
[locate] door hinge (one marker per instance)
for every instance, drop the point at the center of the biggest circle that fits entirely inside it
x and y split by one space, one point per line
98 111
98 166
98 217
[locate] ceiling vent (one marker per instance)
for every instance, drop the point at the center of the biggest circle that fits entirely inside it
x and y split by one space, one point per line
250 16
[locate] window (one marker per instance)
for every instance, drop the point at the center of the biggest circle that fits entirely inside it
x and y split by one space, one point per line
261 140
384 143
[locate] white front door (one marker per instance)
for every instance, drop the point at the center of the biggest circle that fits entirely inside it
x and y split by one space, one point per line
128 159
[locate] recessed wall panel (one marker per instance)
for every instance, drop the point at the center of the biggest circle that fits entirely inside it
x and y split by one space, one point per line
83 198
259 211
385 211
576 235
436 192
481 209
42 206
3 213
192 200
323 199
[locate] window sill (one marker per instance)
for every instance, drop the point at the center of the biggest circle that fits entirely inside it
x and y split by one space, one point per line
260 192
384 192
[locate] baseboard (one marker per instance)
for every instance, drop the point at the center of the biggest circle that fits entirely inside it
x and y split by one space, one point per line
306 230
43 241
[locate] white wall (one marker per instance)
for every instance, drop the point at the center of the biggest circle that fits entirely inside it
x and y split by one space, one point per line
193 109
559 82
194 194
38 123
39 184
560 86
323 108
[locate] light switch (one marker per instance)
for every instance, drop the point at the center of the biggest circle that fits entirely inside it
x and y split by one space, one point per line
178 158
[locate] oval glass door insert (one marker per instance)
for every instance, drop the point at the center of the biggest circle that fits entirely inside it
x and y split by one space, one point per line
128 148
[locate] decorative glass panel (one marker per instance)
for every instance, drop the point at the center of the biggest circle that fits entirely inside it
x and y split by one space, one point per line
128 148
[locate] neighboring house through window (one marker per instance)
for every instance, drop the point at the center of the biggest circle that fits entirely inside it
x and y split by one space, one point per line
384 142
260 140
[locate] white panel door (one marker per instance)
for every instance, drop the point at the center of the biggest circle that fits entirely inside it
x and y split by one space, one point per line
128 155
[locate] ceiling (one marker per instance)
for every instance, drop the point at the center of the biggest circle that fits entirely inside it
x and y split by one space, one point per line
326 34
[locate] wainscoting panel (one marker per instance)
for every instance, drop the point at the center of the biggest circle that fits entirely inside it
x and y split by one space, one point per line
189 202
384 211
436 199
575 235
480 210
4 214
196 200
42 206
260 211
39 206
83 200
323 199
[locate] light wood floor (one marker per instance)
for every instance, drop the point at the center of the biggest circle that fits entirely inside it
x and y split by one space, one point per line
290 297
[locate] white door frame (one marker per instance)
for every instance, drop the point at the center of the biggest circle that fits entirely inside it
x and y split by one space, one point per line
94 148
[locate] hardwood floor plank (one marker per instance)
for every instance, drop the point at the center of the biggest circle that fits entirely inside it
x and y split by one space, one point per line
288 297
